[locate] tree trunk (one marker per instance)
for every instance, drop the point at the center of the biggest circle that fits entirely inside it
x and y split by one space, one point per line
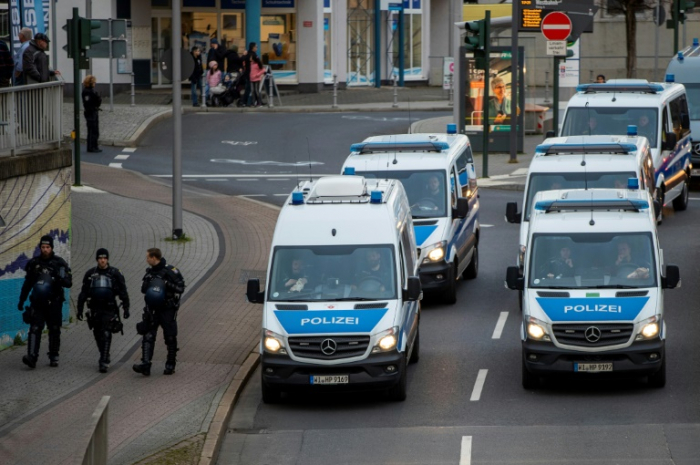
631 30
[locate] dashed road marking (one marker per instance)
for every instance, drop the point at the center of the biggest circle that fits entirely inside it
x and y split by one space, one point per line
115 165
129 149
217 180
499 325
281 195
122 157
253 195
278 179
247 179
465 454
486 225
479 385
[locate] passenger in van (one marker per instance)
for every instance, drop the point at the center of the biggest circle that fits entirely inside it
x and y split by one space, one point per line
561 266
592 127
626 266
600 79
296 278
433 191
374 275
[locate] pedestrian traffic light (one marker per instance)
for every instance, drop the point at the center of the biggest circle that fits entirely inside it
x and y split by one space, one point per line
69 43
476 35
87 38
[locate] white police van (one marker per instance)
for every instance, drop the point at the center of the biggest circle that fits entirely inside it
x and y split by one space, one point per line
437 171
686 69
341 302
660 112
582 162
593 286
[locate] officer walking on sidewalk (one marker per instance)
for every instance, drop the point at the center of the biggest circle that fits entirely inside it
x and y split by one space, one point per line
101 285
162 286
47 275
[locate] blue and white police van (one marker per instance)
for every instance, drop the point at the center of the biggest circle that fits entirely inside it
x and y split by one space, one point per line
593 286
660 112
341 301
437 171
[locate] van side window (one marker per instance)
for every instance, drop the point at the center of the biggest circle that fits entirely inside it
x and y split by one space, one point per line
678 106
406 245
665 128
462 162
403 266
454 186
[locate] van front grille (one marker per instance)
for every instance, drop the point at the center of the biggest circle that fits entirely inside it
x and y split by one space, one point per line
599 335
313 347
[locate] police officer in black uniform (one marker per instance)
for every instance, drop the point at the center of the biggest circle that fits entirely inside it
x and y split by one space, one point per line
91 105
101 285
47 275
162 286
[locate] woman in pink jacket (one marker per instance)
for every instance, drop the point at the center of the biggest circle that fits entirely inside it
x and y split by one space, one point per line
213 77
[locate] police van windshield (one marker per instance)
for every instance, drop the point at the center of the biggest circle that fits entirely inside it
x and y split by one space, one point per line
332 273
592 261
693 93
554 181
425 190
591 121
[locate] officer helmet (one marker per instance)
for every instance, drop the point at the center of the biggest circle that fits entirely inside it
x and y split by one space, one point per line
155 294
42 291
101 288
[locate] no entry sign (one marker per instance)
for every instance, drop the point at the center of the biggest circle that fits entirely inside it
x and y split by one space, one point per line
556 26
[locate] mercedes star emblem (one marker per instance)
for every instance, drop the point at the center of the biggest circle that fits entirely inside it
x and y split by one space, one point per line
592 334
328 346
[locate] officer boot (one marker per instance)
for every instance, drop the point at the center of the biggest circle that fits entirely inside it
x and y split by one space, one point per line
104 351
147 354
171 344
33 342
54 345
98 340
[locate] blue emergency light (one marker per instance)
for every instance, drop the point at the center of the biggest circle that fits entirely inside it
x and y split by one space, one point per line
696 42
349 171
297 198
670 78
451 128
632 184
632 130
680 57
375 197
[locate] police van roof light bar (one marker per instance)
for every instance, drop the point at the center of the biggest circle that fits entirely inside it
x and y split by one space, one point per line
558 149
383 147
648 88
549 206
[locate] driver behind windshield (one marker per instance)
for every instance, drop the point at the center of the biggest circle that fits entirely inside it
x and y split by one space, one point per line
295 278
561 266
373 275
626 266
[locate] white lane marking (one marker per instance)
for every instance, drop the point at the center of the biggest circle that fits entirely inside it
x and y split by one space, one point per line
247 179
486 225
253 195
216 180
465 454
499 325
302 178
115 165
121 157
129 149
694 198
265 162
278 179
519 172
239 142
479 385
281 195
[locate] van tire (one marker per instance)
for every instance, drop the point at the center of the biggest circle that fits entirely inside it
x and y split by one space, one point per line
415 353
530 381
450 293
398 392
472 270
680 203
658 379
270 395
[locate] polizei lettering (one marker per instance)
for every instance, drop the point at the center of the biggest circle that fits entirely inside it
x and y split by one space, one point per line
334 320
593 308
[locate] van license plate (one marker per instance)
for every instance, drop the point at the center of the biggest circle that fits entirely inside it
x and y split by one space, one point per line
593 367
695 172
330 379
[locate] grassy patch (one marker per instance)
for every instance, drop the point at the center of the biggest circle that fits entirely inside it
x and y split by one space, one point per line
182 240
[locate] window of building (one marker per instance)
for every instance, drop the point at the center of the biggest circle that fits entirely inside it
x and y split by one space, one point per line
197 31
413 41
278 44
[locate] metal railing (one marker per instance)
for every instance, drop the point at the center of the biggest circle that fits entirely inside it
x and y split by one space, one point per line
30 116
98 446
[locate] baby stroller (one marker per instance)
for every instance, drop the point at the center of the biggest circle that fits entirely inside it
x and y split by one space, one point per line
228 92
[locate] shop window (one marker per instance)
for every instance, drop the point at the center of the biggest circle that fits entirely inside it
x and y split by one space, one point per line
327 48
278 43
232 29
198 29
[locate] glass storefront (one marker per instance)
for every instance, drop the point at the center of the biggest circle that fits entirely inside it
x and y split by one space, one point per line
327 43
413 41
278 45
360 42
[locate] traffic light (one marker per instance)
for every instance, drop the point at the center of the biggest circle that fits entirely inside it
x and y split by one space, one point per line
87 38
69 44
684 7
476 35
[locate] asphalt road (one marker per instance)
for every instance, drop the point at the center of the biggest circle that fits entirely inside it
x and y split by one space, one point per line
448 418
257 155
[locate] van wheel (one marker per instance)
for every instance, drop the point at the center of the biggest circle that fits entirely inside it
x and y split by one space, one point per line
658 379
681 202
398 392
270 395
659 194
530 381
473 269
450 295
415 354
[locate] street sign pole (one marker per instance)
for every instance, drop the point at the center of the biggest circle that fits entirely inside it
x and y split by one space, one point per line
177 120
555 103
487 52
111 74
514 60
76 93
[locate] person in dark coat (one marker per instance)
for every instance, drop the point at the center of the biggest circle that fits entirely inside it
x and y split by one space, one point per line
91 107
35 62
7 65
234 62
196 76
216 53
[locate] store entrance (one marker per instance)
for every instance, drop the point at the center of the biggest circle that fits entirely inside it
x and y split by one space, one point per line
160 42
360 43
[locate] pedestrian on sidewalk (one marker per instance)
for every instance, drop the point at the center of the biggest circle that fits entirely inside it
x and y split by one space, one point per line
101 285
257 71
91 107
25 36
35 61
162 287
196 76
249 56
213 79
47 275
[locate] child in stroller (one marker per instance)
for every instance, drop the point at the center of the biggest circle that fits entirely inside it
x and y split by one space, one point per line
228 92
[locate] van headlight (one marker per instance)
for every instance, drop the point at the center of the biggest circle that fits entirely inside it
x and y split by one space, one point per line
273 342
538 330
649 328
386 340
435 252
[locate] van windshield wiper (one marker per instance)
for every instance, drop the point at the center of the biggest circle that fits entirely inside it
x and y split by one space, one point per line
613 286
350 299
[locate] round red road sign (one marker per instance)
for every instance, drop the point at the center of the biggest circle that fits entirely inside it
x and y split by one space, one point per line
556 26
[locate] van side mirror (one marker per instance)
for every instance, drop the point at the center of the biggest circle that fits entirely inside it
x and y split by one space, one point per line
671 141
549 134
462 209
685 121
512 215
253 293
413 288
514 281
672 279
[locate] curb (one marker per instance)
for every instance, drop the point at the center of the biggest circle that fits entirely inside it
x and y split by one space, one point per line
219 424
298 109
136 136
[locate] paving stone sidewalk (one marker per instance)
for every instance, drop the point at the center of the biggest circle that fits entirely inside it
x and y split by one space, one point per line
50 409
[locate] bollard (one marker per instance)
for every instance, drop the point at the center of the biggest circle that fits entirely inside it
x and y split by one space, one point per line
202 93
133 91
451 93
546 87
396 95
335 91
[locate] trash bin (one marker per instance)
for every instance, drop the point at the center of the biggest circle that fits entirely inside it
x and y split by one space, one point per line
534 118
